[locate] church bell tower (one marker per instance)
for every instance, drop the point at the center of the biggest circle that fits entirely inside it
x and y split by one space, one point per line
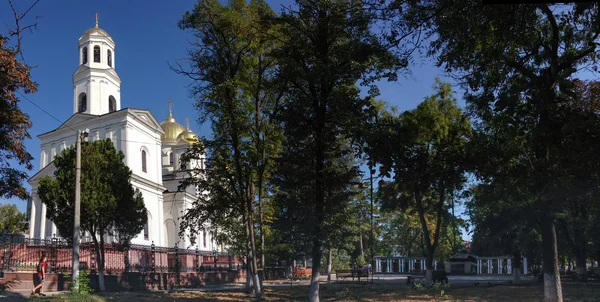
96 85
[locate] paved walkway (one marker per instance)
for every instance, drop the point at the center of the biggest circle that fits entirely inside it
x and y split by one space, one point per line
23 294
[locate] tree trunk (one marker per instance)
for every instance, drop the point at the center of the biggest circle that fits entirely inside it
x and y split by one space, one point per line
329 260
429 266
362 251
552 286
252 253
580 261
249 286
261 229
313 290
516 266
99 247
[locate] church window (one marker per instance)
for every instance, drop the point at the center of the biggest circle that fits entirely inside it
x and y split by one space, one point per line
109 58
84 55
171 158
144 161
112 104
204 238
97 54
146 234
82 105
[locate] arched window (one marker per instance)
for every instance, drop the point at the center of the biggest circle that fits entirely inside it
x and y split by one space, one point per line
112 104
204 238
109 58
146 234
171 158
84 55
144 161
97 54
82 104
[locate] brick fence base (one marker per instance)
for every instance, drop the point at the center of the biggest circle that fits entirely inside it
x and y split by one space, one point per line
128 281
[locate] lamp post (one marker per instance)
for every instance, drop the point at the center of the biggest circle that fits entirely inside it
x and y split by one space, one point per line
76 218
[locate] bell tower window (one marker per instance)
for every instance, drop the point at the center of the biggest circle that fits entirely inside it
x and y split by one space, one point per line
112 104
82 103
171 158
109 57
97 54
84 55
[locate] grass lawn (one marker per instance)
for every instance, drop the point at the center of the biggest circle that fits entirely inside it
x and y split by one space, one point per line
354 292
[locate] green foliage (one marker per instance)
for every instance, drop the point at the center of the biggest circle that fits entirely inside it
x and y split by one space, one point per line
12 220
435 290
110 205
233 73
425 149
80 287
518 63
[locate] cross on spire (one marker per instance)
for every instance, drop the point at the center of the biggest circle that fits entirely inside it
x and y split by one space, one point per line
169 102
187 123
96 20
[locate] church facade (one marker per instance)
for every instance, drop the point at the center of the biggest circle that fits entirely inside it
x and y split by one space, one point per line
151 149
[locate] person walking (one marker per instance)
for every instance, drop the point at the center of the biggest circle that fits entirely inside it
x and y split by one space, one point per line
41 274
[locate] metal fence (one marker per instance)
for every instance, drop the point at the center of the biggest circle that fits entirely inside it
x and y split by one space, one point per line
21 254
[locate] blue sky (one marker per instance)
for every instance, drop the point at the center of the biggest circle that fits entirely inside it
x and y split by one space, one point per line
147 39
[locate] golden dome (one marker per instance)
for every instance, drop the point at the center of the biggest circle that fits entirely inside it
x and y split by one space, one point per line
188 135
96 31
171 128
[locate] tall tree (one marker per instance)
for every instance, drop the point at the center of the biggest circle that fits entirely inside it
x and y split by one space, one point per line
426 154
327 47
517 58
12 220
14 123
110 206
233 75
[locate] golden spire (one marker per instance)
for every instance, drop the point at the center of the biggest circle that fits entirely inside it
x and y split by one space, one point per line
169 102
96 20
187 123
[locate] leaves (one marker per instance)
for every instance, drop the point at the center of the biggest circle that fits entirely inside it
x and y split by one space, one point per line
110 205
12 220
14 124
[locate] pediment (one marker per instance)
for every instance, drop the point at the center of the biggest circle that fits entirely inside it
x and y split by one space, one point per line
146 117
73 120
48 170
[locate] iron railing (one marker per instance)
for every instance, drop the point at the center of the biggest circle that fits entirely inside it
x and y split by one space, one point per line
21 254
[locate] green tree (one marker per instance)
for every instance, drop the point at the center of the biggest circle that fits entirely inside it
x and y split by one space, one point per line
110 206
12 220
233 75
14 123
425 150
520 60
327 48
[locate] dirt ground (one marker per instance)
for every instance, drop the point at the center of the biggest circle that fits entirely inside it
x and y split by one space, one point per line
356 292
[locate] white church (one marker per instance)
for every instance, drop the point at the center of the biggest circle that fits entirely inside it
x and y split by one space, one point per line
151 149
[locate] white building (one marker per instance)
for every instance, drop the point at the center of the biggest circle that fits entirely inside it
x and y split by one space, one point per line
151 149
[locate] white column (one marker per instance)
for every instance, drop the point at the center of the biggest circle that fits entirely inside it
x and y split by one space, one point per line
524 266
32 213
500 266
43 222
378 265
509 266
489 266
402 265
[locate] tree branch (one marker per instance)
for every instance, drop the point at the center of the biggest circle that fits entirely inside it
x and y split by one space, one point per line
18 30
